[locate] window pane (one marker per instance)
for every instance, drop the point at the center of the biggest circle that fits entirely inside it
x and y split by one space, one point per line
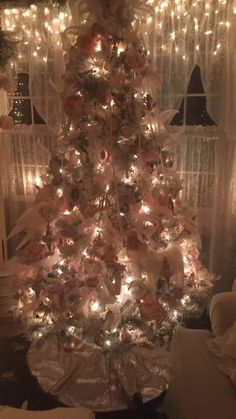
21 111
195 84
196 112
22 86
37 118
179 116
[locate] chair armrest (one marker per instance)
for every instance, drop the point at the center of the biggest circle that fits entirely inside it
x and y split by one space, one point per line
222 312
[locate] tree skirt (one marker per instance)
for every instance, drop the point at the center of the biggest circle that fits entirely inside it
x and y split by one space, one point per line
101 381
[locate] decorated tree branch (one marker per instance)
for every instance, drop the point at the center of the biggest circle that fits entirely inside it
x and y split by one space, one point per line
108 265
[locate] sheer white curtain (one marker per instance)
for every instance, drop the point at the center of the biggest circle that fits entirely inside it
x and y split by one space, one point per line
204 34
224 244
25 154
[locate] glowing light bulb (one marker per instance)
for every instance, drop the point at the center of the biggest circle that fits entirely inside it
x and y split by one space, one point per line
108 342
71 329
94 305
175 314
59 192
66 212
98 47
61 15
145 209
129 279
37 181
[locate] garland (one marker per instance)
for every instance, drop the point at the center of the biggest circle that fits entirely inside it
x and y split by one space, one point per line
7 49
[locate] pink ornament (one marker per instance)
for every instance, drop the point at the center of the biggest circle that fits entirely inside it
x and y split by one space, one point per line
125 336
87 42
73 104
193 253
127 131
34 251
150 309
24 272
69 345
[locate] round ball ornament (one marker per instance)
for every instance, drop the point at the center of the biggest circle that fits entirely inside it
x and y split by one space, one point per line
69 344
125 336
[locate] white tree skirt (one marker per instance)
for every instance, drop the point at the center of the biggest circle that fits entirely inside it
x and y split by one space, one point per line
100 381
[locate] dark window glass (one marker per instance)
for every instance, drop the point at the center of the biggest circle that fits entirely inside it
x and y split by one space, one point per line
21 110
196 112
195 83
196 106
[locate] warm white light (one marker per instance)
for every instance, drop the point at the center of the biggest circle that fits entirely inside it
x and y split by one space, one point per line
129 279
66 212
59 192
145 209
175 314
71 329
98 47
37 181
108 342
94 305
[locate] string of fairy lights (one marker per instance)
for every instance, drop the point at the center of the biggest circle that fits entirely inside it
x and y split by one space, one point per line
175 27
171 19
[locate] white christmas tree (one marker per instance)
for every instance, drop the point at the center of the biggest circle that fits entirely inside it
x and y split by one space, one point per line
110 255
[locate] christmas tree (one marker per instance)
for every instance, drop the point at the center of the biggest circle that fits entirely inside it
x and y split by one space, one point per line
110 255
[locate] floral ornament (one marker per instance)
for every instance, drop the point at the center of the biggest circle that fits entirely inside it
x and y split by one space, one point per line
150 309
33 252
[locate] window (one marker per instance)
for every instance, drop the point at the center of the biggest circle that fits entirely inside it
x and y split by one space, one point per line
23 110
196 155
